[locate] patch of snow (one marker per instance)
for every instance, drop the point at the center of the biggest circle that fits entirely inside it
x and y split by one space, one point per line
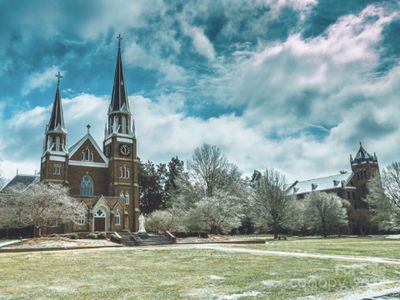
238 296
374 290
393 237
270 283
215 277
353 266
62 289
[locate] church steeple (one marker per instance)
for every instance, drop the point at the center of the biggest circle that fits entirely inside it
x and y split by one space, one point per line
119 115
54 163
57 116
119 98
56 133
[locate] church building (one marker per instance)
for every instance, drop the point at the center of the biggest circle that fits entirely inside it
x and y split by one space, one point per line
105 177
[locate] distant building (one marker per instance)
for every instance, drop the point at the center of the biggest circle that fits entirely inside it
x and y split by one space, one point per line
104 178
20 180
349 185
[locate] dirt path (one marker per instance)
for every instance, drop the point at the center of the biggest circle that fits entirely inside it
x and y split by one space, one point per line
369 259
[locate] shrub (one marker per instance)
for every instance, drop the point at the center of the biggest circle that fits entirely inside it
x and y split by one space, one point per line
161 221
116 238
54 235
92 235
72 235
102 236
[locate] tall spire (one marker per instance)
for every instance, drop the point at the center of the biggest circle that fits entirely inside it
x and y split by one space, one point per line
119 99
57 116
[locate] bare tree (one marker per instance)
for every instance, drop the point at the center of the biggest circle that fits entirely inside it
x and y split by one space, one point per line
207 167
271 200
210 195
41 204
325 212
384 197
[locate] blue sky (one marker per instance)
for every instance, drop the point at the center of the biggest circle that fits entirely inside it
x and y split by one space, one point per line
288 84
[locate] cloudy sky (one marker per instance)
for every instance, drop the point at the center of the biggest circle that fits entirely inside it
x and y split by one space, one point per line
288 84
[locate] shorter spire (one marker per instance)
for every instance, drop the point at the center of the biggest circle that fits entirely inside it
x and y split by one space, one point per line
57 115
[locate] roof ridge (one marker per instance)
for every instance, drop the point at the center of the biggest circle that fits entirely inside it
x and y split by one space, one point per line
325 177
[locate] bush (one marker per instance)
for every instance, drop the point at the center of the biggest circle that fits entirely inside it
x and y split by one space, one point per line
116 238
92 235
54 235
161 221
101 236
72 235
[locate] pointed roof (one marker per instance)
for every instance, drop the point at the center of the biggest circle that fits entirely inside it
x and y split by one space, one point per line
119 98
363 156
57 115
74 148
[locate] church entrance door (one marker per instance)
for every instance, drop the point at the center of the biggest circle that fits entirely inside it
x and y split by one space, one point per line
99 224
100 221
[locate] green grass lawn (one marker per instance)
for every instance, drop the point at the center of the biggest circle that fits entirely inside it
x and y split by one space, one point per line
366 246
179 273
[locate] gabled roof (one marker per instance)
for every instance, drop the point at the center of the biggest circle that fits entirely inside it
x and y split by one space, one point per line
119 98
57 115
320 184
77 145
24 180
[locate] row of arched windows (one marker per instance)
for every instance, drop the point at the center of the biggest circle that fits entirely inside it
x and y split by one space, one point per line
115 126
54 145
100 213
124 172
125 196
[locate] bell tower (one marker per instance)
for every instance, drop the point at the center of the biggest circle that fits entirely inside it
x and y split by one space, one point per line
54 162
120 146
364 166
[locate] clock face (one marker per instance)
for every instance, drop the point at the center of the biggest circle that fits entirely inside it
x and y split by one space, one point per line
124 149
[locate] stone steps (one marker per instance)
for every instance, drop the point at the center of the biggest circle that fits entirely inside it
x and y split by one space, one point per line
134 239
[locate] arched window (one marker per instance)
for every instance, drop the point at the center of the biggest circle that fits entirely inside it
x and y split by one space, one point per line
123 125
58 144
87 155
87 186
82 219
124 172
117 218
127 197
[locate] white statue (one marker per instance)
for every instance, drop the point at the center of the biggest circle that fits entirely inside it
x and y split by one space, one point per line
141 224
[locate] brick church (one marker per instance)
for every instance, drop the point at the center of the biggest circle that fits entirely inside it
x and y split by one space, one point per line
104 178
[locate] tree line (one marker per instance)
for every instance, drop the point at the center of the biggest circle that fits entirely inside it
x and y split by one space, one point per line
209 193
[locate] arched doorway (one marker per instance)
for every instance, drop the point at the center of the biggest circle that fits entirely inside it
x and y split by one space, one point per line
100 220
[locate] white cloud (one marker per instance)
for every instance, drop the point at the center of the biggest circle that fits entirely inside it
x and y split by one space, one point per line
40 80
199 40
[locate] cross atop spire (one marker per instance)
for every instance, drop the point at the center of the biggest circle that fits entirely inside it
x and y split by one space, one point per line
119 38
59 76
